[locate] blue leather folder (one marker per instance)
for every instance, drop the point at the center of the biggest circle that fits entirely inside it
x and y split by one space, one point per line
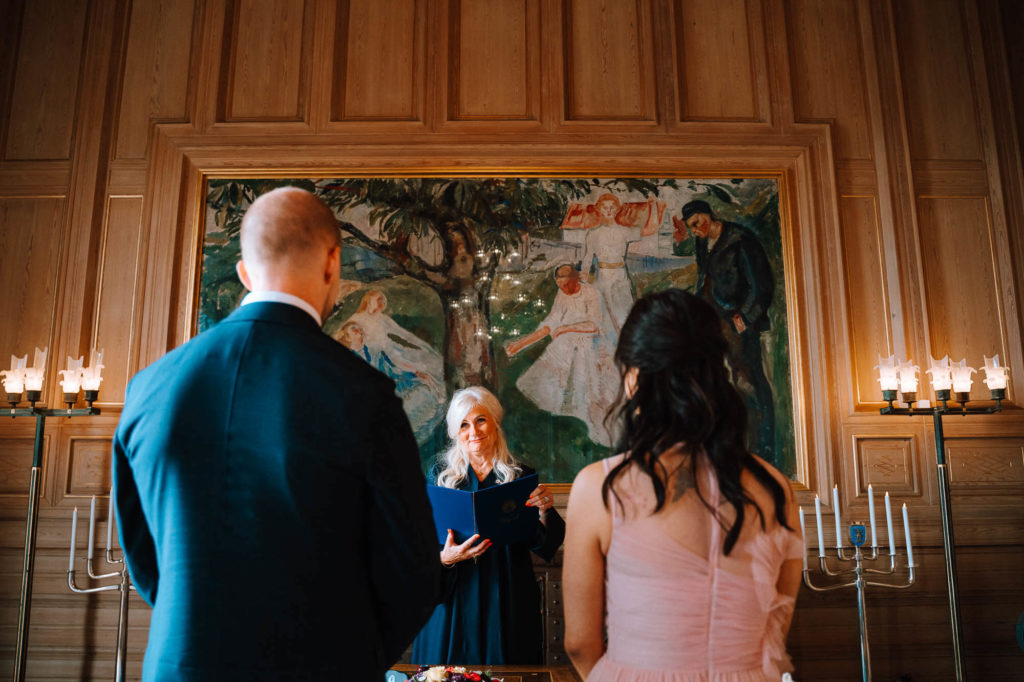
498 513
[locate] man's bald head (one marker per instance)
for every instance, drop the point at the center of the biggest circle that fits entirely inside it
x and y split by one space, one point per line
285 227
291 243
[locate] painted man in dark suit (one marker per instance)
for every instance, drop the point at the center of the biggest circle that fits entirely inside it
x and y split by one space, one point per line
734 275
267 484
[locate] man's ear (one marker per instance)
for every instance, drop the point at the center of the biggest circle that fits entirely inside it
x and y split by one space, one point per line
243 275
333 265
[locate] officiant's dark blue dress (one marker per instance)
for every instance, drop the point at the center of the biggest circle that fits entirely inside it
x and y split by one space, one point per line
490 609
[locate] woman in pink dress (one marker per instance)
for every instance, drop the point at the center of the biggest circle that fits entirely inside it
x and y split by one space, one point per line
682 551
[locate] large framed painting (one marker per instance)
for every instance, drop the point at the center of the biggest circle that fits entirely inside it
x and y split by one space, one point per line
456 281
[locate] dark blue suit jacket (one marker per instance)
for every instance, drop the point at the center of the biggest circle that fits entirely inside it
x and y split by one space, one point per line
271 506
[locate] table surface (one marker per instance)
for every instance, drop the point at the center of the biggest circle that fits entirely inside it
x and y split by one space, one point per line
518 673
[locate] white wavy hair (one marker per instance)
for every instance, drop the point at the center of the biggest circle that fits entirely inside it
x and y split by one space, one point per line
455 459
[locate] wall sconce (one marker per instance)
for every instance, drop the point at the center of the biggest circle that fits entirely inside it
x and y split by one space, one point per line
18 380
945 377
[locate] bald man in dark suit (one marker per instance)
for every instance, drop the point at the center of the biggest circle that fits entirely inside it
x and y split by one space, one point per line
267 485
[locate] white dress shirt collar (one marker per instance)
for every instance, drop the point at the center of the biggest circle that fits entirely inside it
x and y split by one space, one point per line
282 297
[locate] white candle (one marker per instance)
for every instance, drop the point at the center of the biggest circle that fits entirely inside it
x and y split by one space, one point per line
74 527
888 523
871 514
906 534
839 523
92 524
803 535
821 535
110 518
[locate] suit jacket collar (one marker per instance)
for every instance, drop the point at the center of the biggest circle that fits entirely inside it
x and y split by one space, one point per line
270 311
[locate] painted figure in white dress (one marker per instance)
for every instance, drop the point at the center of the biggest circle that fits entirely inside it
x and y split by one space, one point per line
575 376
416 368
605 247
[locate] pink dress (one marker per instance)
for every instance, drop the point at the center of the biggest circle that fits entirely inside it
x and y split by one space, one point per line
677 609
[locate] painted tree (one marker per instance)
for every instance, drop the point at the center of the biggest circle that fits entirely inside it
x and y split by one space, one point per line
476 226
452 235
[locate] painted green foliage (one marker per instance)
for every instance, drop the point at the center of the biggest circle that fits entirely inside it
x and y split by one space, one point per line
465 265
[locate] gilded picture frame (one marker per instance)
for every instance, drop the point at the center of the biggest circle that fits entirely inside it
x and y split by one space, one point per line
449 281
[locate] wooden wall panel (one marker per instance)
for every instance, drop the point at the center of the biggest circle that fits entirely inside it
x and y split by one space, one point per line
887 463
716 61
46 80
379 42
1011 16
866 288
155 83
31 236
828 74
609 68
269 49
116 291
986 466
960 286
80 467
15 466
939 92
10 18
88 471
494 59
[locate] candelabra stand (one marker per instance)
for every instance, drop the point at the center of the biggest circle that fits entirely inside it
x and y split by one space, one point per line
32 520
945 507
860 571
122 584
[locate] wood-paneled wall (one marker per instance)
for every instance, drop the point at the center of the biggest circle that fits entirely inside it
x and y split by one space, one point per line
891 125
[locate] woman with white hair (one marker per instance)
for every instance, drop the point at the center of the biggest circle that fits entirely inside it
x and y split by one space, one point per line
490 602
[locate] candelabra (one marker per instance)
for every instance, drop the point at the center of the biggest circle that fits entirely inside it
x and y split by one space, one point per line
123 583
860 564
945 376
19 380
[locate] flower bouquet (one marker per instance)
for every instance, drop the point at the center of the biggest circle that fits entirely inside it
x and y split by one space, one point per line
449 673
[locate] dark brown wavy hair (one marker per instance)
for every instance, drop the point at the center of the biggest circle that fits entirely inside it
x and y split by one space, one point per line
684 396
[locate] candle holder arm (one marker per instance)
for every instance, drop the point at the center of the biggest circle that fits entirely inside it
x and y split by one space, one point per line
910 581
97 576
823 566
884 571
823 588
87 590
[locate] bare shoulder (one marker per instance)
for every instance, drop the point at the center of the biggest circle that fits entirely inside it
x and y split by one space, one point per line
587 499
588 481
591 477
777 475
787 489
587 517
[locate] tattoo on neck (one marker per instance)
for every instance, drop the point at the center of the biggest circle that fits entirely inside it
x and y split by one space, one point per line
682 480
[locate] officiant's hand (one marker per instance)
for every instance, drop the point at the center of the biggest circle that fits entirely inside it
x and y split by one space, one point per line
453 554
541 499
